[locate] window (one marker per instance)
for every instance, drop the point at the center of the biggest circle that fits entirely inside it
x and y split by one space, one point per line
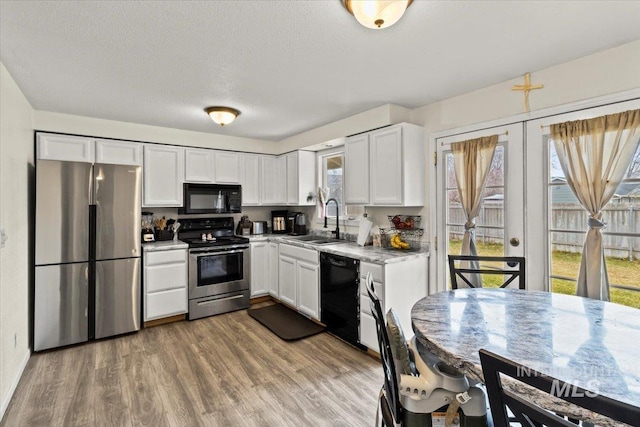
332 172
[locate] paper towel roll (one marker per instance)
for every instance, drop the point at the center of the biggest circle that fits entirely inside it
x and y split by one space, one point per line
363 231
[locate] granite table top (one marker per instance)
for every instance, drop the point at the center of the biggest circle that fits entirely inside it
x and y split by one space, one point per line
590 343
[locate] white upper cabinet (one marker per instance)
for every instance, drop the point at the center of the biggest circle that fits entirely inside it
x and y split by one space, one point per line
250 179
163 175
396 167
301 177
386 166
227 167
199 165
64 147
274 180
118 152
356 169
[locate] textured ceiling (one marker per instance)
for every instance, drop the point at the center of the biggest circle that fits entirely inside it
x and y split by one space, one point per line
289 66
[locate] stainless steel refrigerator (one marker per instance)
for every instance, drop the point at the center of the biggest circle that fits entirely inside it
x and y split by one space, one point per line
87 260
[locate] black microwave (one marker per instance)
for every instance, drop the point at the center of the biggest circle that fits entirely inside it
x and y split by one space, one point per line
211 199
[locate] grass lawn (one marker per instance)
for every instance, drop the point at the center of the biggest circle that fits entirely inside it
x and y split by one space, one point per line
567 264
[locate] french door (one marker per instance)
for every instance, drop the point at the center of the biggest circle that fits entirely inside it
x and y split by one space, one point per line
554 214
500 225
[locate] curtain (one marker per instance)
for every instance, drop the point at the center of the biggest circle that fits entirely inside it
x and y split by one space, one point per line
594 155
472 160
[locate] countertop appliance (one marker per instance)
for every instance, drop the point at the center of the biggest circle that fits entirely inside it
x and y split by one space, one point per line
259 227
211 199
87 252
219 266
340 296
296 223
279 222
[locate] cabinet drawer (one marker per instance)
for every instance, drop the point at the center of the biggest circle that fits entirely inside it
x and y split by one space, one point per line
375 269
368 333
165 304
165 257
377 286
163 277
296 252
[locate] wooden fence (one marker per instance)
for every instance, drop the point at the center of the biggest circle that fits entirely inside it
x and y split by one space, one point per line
570 221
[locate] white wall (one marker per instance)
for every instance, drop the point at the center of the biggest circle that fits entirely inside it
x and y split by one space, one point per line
16 186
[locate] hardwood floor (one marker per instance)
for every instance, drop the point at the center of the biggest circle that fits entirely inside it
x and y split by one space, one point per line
225 370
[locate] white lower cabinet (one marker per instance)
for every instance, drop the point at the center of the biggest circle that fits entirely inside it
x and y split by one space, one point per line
287 282
259 268
399 286
165 283
299 284
272 283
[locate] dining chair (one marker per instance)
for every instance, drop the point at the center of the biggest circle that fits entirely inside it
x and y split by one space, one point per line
512 268
412 391
527 413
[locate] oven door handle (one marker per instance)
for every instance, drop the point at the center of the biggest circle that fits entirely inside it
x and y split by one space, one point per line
214 253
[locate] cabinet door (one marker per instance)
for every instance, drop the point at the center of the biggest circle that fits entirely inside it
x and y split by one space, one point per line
199 165
250 179
118 152
272 285
386 166
368 333
292 178
269 168
63 147
356 169
307 278
259 268
287 280
227 167
281 180
163 175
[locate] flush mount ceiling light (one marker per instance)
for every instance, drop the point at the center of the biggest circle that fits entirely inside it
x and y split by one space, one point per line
222 115
377 14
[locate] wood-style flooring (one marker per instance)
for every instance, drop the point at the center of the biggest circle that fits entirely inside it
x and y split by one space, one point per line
225 370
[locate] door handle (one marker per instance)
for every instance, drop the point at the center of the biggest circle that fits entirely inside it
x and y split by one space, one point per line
514 241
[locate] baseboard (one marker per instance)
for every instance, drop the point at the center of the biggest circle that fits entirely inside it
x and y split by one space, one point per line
14 384
165 320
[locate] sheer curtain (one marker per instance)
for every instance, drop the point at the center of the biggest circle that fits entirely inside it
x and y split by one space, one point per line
472 160
594 155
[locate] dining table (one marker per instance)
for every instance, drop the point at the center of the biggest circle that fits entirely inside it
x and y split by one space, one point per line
586 342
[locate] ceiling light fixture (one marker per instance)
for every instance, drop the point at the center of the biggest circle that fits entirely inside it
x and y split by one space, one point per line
222 115
377 14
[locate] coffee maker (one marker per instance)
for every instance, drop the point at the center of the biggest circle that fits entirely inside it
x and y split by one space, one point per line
279 222
296 223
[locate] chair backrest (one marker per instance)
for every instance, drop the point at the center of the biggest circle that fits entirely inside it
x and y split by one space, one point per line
513 268
530 414
390 379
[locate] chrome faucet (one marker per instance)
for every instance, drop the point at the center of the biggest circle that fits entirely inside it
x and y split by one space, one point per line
337 230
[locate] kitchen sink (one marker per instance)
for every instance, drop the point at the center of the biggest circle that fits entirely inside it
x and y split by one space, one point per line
316 240
305 238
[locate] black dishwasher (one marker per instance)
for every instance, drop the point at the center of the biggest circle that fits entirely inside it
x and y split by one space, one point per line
340 296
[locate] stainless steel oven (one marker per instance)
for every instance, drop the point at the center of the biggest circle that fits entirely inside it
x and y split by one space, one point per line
218 280
219 267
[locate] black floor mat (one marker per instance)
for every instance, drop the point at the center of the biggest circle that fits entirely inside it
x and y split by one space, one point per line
284 322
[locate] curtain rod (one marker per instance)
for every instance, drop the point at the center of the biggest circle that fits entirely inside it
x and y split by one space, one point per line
506 132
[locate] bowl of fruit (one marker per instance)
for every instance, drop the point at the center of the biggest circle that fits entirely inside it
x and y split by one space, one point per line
404 222
405 239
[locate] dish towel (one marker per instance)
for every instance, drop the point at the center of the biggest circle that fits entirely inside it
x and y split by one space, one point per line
323 195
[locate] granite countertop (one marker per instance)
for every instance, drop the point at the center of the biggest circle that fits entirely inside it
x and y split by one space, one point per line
578 340
351 249
164 245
